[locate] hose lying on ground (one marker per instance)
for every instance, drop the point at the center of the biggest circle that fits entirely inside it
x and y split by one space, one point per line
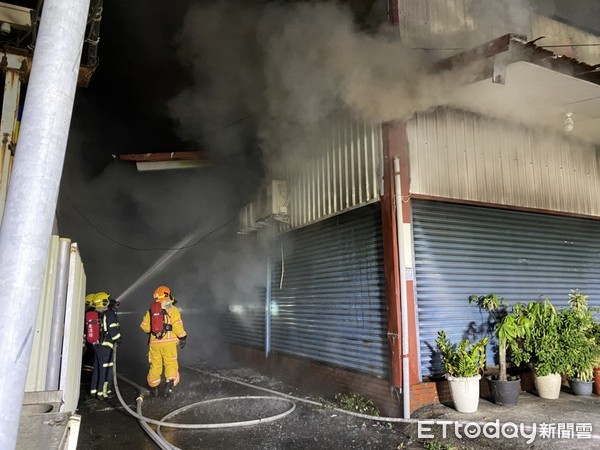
355 414
276 395
158 438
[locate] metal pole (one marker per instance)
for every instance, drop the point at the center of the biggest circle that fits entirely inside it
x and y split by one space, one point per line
268 309
32 195
58 315
403 299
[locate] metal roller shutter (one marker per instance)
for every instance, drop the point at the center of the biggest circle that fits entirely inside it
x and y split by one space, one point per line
329 303
244 324
462 250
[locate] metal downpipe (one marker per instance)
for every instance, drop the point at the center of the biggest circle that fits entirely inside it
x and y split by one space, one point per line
403 300
32 195
58 315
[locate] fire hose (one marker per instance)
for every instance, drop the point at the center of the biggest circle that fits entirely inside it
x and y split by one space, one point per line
163 444
157 436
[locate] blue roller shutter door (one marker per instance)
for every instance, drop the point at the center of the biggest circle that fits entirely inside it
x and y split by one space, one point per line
462 250
328 295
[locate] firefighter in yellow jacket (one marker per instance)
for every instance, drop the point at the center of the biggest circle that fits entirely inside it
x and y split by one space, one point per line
163 341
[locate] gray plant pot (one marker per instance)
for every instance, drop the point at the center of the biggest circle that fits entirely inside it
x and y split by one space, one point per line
581 387
505 393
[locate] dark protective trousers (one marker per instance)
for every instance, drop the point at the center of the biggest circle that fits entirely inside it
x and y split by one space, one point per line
102 377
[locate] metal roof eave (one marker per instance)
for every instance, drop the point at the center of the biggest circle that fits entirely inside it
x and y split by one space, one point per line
166 160
525 84
513 48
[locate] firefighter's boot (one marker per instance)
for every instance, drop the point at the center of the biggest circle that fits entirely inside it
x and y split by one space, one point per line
154 391
168 388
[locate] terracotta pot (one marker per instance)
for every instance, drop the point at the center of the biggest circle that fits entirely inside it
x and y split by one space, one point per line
597 380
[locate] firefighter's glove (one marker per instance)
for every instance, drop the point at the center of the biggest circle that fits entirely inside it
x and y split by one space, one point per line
182 342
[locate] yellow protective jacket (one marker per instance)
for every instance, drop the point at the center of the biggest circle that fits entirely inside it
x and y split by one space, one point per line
173 317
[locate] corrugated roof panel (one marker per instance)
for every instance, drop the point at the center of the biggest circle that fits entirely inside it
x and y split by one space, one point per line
460 155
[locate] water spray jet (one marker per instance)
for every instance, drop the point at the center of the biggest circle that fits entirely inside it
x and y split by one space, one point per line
160 263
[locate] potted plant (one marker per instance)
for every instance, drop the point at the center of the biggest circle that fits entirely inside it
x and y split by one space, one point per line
596 370
542 346
510 330
578 334
463 363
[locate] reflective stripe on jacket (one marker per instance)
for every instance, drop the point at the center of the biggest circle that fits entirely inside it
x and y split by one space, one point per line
110 329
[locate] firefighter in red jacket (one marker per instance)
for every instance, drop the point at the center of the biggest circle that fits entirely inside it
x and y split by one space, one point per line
165 327
109 336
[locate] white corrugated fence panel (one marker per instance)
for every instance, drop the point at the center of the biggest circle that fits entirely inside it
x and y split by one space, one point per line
70 373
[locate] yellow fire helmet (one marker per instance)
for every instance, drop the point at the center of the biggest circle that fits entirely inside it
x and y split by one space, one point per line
101 300
162 293
89 300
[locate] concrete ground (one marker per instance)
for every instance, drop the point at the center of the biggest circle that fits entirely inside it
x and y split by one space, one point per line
107 425
570 422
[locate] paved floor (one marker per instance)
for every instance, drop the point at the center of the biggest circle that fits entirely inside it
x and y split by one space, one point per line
570 422
567 423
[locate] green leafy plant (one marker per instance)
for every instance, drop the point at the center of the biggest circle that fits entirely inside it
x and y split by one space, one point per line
463 359
435 445
541 345
578 301
579 334
510 329
355 402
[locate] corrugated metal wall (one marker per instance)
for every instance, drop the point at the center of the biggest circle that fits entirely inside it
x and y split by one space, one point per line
454 25
328 293
462 250
341 171
461 155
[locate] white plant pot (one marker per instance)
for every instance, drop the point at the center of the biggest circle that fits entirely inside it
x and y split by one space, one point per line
464 392
548 386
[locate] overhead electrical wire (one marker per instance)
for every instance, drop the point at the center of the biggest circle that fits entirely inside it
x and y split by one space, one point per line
146 249
537 45
242 119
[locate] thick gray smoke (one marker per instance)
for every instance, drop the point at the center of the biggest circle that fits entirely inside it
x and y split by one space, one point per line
289 67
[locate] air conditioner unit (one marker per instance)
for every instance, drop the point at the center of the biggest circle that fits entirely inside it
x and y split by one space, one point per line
271 202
